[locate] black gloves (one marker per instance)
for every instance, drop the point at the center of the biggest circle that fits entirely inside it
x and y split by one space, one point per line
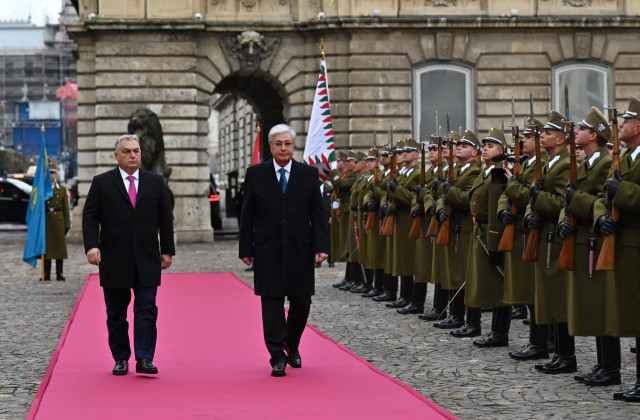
607 225
442 215
446 187
436 184
512 179
432 209
419 189
531 222
570 193
534 190
392 185
613 184
416 212
373 186
507 217
565 230
371 206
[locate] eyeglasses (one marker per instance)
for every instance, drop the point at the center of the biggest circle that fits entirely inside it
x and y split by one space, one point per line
286 144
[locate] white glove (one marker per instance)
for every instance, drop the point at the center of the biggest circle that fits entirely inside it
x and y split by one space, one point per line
333 165
335 205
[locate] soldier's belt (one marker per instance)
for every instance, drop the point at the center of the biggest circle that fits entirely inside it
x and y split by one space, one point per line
54 209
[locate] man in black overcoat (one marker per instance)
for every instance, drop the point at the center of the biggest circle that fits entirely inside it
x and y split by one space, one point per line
283 231
125 210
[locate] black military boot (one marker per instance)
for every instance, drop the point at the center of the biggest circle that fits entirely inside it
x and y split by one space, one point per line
472 327
580 376
367 285
356 277
566 345
390 289
416 305
457 310
609 373
519 312
378 284
59 271
500 323
631 394
440 300
47 269
406 283
347 278
538 337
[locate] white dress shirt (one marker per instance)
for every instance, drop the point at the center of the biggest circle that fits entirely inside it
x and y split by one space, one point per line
136 181
287 168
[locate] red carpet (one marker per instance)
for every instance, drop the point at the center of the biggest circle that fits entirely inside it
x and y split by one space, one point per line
213 364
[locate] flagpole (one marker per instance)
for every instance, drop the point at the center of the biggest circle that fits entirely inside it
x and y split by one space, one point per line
322 49
42 256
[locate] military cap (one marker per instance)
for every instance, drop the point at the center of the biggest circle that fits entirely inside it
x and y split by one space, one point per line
455 136
555 121
470 138
410 145
342 155
596 121
373 152
496 136
360 156
351 155
433 142
528 129
399 147
634 109
53 167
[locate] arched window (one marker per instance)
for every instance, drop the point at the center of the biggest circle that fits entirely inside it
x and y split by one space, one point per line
448 89
588 85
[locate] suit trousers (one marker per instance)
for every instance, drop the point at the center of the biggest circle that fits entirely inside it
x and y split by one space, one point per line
281 333
145 314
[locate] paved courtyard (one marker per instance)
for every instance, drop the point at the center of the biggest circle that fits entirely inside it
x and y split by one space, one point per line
469 382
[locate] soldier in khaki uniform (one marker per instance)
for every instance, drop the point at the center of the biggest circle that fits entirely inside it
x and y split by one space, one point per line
623 283
58 223
356 249
585 286
404 249
456 195
484 282
342 179
519 284
547 200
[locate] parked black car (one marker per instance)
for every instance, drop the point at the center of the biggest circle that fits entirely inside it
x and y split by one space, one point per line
14 200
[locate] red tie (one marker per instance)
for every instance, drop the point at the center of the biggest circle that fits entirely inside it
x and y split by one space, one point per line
132 190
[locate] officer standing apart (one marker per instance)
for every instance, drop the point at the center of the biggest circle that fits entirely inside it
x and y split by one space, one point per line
58 223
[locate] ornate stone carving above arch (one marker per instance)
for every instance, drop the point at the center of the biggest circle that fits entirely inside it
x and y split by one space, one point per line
582 45
444 45
248 49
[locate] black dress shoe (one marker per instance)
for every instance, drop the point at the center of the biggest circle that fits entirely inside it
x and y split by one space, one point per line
530 352
294 359
373 293
363 288
47 278
632 349
519 312
603 377
411 308
145 366
467 330
633 396
121 368
317 265
279 369
348 285
399 303
60 277
526 321
450 322
385 297
340 283
631 390
541 365
565 364
580 376
493 340
434 314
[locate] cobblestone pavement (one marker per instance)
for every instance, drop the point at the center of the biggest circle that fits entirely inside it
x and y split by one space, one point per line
468 382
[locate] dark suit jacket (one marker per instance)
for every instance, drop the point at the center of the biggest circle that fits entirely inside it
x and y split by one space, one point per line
282 232
128 237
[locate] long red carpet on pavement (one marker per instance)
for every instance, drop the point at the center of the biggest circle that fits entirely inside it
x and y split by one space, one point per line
213 364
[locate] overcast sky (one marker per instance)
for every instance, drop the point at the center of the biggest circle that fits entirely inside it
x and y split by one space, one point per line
40 9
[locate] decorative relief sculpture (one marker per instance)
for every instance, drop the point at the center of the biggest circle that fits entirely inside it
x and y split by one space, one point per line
444 45
440 3
582 43
578 3
249 48
249 4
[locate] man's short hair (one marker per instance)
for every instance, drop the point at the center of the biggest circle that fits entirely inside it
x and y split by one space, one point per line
281 128
126 137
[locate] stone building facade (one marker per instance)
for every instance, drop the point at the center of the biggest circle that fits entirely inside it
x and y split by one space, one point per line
389 62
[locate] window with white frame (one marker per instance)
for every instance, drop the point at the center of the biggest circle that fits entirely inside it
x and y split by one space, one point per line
587 85
448 89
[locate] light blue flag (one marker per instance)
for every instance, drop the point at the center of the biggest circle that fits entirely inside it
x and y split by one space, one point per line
36 243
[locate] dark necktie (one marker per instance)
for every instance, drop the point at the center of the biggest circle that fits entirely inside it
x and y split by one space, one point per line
283 179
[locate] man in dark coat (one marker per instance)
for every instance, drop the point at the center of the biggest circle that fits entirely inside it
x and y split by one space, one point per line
124 211
283 231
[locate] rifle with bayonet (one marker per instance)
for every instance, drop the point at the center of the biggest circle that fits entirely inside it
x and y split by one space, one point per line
566 257
432 230
414 233
388 221
607 252
508 235
531 250
371 218
443 235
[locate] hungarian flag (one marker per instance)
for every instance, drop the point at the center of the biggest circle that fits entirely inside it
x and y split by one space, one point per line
319 149
256 147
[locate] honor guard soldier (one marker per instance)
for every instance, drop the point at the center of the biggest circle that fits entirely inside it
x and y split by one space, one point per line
623 283
485 279
547 200
58 223
454 205
519 276
585 285
360 168
342 179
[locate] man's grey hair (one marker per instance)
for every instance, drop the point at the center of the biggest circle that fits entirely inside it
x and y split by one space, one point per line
126 137
281 128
